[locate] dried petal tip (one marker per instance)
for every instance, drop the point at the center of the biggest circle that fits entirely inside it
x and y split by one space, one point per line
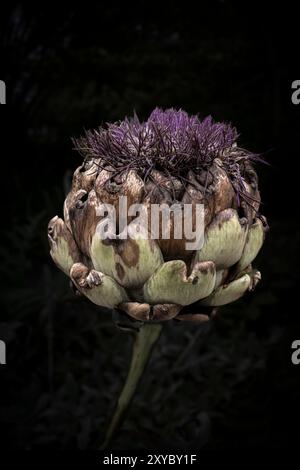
99 288
63 248
146 312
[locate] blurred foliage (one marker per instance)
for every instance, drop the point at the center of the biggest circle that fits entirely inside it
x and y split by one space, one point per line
230 385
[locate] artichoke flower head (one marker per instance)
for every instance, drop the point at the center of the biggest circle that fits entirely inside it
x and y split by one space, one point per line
172 158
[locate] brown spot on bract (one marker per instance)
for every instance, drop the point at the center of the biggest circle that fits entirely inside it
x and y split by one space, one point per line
120 270
207 267
129 252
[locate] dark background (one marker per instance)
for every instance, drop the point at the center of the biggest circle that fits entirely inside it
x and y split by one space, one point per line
229 386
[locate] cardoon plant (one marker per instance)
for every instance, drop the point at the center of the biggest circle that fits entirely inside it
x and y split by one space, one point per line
170 159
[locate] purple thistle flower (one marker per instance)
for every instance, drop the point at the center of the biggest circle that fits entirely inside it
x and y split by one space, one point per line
171 141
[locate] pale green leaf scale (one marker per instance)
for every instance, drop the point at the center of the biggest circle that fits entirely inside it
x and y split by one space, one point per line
170 283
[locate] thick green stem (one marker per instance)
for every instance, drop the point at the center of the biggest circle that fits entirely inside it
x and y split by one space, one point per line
144 340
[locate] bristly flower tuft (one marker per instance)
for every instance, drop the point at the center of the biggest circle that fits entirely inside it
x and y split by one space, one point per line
170 141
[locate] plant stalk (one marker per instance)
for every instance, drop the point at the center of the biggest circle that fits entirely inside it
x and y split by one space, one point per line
143 342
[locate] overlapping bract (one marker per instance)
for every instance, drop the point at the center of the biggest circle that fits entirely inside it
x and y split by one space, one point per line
171 157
